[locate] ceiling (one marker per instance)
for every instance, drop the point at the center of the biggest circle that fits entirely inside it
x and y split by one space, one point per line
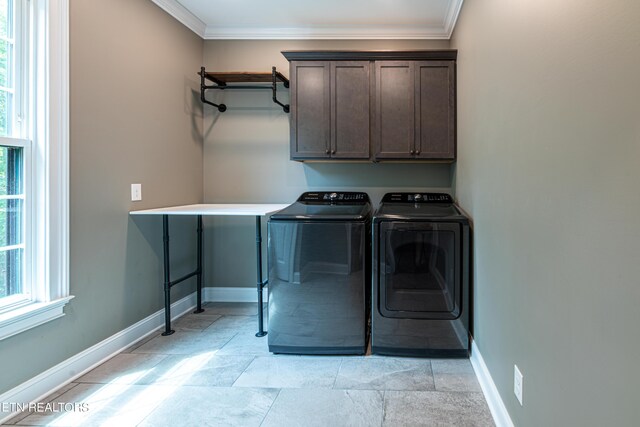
313 19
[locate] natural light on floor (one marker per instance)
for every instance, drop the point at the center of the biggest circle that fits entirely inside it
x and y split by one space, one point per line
119 404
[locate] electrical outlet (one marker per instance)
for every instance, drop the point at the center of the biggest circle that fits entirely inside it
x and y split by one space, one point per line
517 383
136 192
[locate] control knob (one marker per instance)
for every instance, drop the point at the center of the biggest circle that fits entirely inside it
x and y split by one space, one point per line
333 196
417 197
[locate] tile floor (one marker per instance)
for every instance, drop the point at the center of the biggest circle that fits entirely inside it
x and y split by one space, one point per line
214 371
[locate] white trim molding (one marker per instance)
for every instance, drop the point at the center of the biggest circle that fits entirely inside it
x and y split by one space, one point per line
491 394
57 140
63 373
183 15
47 236
452 17
31 315
51 150
442 31
317 33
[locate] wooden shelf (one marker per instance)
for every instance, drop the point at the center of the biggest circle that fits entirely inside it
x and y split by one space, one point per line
245 77
221 81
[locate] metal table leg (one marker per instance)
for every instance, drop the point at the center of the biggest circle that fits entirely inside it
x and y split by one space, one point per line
167 275
168 284
199 308
261 332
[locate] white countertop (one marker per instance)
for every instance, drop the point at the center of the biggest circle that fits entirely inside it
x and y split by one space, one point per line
228 209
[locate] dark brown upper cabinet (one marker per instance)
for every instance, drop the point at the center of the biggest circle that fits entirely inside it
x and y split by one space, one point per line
394 111
415 111
399 103
350 113
310 110
330 109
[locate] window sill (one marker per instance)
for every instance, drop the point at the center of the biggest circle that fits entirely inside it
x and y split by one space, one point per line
30 316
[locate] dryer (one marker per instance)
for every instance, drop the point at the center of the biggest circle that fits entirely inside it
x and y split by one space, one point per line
421 279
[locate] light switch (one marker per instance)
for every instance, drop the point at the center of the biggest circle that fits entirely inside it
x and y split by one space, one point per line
136 192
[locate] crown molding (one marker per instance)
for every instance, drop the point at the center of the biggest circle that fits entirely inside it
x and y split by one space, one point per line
337 33
183 15
452 17
440 32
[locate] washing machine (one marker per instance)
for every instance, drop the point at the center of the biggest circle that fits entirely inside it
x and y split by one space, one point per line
320 274
421 278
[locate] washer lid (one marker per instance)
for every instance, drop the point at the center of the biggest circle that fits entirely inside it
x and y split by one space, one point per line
321 212
327 206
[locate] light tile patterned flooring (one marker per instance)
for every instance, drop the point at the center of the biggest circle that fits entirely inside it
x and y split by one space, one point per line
213 371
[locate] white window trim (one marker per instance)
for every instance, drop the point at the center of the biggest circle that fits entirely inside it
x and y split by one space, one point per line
30 316
51 172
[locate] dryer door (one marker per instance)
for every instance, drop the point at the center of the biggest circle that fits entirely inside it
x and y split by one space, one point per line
419 270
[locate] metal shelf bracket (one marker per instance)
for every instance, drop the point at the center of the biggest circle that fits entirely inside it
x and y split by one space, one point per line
220 81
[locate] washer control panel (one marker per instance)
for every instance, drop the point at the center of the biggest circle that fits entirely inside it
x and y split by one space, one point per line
334 197
417 198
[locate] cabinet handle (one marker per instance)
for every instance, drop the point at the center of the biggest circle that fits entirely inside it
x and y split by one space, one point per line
326 152
413 152
418 152
333 152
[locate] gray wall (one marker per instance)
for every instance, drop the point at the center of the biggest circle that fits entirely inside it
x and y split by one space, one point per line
134 119
246 154
549 152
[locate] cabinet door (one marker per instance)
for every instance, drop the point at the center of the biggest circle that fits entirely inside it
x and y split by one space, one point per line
350 99
310 110
394 109
435 112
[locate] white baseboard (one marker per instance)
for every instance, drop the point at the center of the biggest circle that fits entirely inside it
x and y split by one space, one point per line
52 379
60 375
496 405
232 294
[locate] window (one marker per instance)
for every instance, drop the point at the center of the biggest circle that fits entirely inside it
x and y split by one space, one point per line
14 286
33 163
11 224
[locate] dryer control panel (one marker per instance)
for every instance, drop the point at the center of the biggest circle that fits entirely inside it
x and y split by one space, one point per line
417 198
